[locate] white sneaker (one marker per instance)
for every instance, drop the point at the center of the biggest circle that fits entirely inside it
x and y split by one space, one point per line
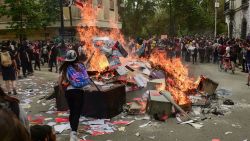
73 136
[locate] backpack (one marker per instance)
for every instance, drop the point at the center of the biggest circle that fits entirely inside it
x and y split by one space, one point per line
6 59
45 50
78 79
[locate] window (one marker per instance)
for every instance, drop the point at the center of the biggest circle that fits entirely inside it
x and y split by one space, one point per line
112 5
244 28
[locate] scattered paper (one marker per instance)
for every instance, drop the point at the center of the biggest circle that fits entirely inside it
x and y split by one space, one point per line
137 134
226 133
196 125
60 120
144 125
51 123
61 128
121 70
152 137
96 122
122 129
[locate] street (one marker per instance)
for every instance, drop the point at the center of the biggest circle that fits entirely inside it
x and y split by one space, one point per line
232 127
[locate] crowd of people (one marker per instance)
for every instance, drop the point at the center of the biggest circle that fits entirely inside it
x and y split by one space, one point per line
28 56
227 53
74 80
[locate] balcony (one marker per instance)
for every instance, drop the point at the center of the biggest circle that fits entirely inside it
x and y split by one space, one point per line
229 7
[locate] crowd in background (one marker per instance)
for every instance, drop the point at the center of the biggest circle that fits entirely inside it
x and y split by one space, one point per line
29 56
196 49
227 53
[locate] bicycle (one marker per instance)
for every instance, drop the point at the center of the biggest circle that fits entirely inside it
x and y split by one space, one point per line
225 64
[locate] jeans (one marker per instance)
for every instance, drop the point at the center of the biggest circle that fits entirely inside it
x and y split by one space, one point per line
24 66
53 62
75 99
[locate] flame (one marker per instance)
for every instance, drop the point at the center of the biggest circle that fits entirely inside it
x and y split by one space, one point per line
178 83
88 29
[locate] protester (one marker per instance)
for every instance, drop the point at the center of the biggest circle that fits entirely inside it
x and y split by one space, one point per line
42 133
31 57
12 104
36 52
24 58
8 65
11 128
53 57
44 56
248 63
81 55
75 80
244 56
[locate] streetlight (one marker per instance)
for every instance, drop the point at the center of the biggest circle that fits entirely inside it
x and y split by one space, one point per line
171 28
62 22
216 6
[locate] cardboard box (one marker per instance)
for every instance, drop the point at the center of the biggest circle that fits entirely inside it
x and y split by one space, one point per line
158 104
208 86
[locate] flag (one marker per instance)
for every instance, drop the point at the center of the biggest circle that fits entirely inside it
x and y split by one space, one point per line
79 3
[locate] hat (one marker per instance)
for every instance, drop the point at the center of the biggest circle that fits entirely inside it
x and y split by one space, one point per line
71 56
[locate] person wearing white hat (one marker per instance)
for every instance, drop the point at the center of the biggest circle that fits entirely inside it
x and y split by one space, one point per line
75 81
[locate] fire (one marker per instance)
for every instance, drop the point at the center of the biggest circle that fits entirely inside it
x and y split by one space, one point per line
88 29
178 82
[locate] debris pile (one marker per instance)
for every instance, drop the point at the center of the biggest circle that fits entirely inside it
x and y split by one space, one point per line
153 94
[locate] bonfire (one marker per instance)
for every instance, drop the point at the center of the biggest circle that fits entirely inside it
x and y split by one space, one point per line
178 83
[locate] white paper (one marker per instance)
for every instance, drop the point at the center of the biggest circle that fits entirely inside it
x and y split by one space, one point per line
96 122
60 128
121 70
102 128
144 125
140 80
146 71
51 123
196 125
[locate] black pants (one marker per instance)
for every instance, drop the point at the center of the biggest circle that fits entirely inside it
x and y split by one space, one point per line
194 57
53 62
30 68
45 58
24 66
75 98
37 63
244 66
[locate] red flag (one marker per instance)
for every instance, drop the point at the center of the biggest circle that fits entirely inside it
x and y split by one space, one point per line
79 3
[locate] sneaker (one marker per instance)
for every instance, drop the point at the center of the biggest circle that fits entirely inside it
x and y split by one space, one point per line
73 136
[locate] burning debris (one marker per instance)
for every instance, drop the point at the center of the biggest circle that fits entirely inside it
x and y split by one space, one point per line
163 87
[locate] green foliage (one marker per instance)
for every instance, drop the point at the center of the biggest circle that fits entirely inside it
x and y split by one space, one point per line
50 11
27 15
151 17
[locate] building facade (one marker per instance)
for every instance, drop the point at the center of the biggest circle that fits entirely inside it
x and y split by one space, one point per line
107 11
237 15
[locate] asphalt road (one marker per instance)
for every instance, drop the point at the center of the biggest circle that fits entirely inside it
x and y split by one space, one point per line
216 127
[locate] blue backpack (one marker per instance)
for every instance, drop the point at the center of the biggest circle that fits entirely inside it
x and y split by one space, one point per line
78 79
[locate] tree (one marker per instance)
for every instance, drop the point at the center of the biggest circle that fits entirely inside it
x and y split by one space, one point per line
27 15
50 12
152 17
136 14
